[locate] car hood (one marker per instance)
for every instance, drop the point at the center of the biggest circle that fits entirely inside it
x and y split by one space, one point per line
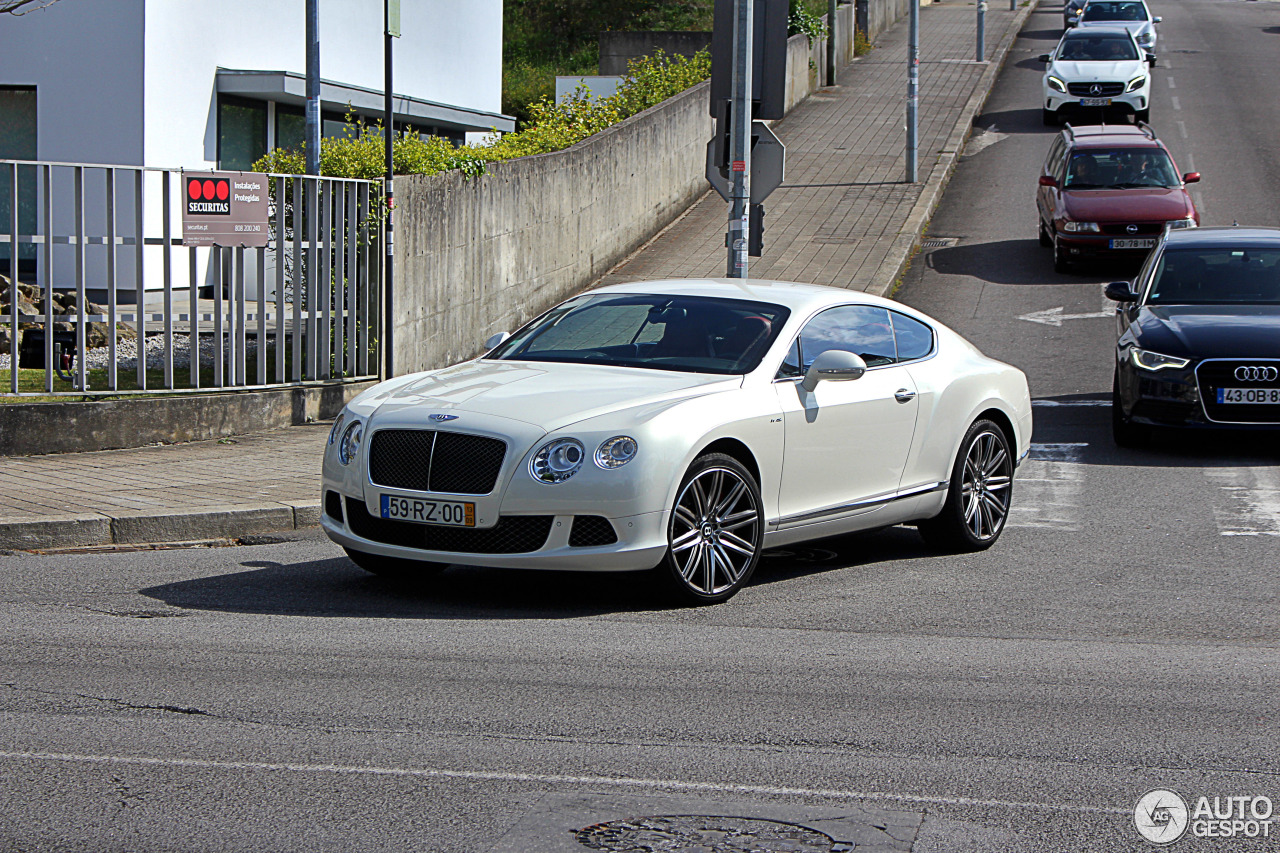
1088 72
1133 205
546 395
1210 331
1135 27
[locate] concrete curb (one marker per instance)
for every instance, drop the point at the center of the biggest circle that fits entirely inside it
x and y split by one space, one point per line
904 245
131 528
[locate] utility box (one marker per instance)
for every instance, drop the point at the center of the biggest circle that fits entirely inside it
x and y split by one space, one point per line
768 56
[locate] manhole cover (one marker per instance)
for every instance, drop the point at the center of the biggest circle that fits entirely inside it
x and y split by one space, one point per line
705 834
938 242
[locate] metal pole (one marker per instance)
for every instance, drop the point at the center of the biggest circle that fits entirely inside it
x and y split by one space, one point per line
913 88
831 42
313 87
982 30
740 140
388 278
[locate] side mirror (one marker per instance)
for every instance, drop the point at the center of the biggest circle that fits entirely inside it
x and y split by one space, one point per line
1151 60
1044 57
1157 19
1048 181
834 365
494 340
1191 178
1120 291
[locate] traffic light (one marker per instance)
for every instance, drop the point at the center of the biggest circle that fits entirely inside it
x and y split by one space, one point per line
755 233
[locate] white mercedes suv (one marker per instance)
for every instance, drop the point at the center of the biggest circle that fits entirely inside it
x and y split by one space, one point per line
1094 72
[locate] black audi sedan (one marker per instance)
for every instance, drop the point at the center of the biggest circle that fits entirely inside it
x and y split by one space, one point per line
1199 335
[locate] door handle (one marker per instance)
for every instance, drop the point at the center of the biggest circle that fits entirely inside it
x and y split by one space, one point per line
904 395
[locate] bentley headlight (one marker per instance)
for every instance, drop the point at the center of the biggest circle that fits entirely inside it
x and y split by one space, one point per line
1077 227
1177 224
337 427
350 444
1135 84
1056 84
557 461
1148 360
616 452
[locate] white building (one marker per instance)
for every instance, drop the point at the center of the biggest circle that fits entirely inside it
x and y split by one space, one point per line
214 84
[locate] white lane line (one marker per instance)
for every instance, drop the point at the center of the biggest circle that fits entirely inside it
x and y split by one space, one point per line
1199 199
546 778
1191 161
1171 86
1176 105
1182 129
1252 501
1049 482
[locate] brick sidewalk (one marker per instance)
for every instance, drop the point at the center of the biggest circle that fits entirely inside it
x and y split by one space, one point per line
844 217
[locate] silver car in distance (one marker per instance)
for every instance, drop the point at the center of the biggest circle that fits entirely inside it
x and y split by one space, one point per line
681 427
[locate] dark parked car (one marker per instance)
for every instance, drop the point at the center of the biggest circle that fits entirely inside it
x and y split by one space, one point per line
1199 328
1110 191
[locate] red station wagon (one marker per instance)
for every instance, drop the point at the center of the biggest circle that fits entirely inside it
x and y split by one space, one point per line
1110 191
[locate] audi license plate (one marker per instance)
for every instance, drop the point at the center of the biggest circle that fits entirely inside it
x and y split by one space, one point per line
1095 102
1134 243
1250 396
451 513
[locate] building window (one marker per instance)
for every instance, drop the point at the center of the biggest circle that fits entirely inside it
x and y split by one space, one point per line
242 132
291 127
18 142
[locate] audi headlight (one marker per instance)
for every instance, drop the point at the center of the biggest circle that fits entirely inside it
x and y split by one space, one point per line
616 452
1177 224
1148 360
557 461
337 427
1056 84
350 444
1078 227
1135 84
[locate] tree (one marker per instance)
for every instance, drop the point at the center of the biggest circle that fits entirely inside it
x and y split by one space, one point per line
18 7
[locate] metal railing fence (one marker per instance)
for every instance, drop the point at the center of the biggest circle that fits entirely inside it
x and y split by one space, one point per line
302 310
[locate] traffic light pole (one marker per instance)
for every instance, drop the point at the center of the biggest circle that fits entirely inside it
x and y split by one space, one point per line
913 88
740 140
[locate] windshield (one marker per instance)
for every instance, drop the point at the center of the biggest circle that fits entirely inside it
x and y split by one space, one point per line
1121 169
1098 48
1125 10
685 333
1213 276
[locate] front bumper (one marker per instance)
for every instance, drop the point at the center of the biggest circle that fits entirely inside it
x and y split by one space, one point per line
1067 105
641 540
1172 398
1085 245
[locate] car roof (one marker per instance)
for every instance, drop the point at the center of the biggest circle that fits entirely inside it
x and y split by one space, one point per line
1225 235
1095 31
800 298
1112 135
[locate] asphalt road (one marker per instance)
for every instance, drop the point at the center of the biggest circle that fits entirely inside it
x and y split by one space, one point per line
1124 635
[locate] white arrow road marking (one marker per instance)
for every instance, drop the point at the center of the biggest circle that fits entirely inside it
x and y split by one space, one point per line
983 138
1054 316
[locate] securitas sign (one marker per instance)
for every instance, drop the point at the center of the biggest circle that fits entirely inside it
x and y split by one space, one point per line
225 209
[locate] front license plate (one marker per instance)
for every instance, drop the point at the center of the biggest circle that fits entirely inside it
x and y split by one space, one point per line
451 513
1095 102
1143 243
1253 396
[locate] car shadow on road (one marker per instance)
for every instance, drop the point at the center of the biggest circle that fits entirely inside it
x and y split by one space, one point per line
1002 262
1015 121
1053 34
338 588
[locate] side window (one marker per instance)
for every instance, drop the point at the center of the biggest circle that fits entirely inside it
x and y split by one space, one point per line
1060 170
914 339
1055 156
860 329
791 363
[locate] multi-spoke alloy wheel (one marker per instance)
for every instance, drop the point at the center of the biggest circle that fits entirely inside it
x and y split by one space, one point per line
716 530
979 493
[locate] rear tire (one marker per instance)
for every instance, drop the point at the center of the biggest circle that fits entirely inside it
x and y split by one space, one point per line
715 534
394 568
979 493
1123 430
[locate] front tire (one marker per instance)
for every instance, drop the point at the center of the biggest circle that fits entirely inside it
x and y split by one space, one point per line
394 568
1049 118
716 532
1124 431
1045 239
979 493
1061 262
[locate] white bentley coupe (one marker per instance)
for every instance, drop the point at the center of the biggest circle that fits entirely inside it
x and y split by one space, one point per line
681 427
